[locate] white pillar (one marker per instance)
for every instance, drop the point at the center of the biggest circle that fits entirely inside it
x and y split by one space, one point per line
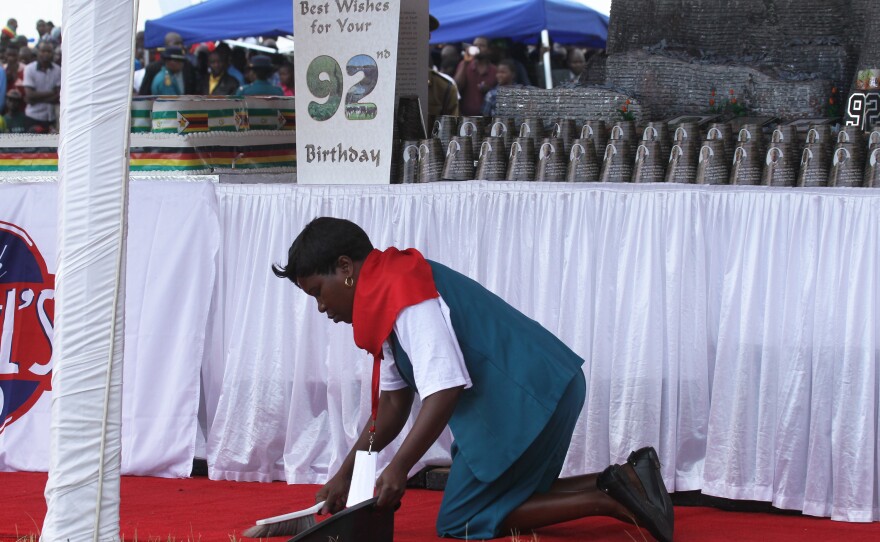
82 492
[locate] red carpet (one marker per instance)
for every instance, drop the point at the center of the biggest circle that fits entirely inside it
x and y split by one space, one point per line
198 509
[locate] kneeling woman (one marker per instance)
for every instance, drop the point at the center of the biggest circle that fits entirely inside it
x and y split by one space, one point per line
510 391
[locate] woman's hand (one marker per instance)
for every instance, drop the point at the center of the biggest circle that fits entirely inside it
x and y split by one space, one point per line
334 493
390 486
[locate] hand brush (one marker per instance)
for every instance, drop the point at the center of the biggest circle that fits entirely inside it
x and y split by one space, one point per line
290 524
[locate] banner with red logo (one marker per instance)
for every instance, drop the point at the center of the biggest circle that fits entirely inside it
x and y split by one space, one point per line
173 242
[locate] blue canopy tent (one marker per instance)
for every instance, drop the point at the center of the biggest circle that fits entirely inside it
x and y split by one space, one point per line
567 21
223 19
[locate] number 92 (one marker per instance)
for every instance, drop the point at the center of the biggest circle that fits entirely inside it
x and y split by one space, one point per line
324 78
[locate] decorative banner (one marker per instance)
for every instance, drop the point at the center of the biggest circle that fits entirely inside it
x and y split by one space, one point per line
346 61
27 307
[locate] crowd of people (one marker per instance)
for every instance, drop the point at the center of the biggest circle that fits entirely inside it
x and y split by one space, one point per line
213 69
30 73
479 69
464 78
30 78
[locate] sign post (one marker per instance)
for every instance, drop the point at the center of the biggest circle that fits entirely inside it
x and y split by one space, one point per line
346 61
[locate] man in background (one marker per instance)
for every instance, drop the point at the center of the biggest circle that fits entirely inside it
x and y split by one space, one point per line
261 69
475 76
169 80
26 55
442 91
188 71
224 49
43 31
42 82
218 81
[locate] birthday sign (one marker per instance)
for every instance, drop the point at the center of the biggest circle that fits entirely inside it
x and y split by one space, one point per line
346 60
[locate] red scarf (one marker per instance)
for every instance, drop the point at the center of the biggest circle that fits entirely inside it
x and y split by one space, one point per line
388 282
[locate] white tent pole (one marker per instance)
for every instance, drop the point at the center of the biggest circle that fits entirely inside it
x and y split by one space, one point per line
548 74
82 492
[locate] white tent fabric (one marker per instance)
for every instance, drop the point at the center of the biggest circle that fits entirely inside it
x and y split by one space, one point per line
735 328
82 492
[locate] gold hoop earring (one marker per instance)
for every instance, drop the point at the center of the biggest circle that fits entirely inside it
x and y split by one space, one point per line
349 282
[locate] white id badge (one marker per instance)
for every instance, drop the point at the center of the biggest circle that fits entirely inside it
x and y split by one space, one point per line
363 480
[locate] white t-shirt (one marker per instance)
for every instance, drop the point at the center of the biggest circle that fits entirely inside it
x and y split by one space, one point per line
425 333
41 81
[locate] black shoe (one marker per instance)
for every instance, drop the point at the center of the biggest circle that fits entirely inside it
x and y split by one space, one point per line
615 482
646 465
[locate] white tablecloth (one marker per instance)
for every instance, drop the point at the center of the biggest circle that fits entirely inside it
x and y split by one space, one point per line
734 328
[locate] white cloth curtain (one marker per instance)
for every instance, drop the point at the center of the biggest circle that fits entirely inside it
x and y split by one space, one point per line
173 247
733 328
82 492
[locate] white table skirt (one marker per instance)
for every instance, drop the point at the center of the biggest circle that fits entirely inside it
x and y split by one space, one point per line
734 328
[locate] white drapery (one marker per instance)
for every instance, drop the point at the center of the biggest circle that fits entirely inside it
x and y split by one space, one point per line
82 492
732 327
173 246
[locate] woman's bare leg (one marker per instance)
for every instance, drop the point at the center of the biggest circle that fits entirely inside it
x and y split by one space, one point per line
568 499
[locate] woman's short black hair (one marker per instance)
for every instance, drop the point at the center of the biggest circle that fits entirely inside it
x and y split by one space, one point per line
318 247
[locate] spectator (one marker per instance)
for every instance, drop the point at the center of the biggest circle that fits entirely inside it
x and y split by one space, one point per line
219 82
25 55
16 120
42 81
43 31
238 64
450 56
505 75
576 63
557 61
261 70
443 98
520 53
139 50
50 30
503 48
286 77
276 59
475 76
8 32
224 49
169 80
14 70
55 35
188 71
201 55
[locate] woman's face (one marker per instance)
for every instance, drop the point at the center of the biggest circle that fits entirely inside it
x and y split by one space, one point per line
334 298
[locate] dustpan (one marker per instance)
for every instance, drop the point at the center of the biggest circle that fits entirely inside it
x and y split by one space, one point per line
359 523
